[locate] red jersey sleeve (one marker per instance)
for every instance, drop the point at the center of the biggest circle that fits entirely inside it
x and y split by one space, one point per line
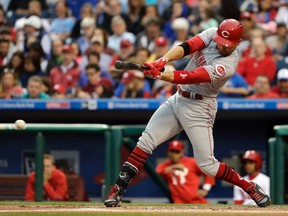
199 75
29 191
195 44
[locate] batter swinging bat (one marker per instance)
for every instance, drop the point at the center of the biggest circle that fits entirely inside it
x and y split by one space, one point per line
129 66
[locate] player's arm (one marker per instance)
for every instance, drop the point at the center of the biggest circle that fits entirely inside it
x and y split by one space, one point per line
186 48
59 191
199 75
29 191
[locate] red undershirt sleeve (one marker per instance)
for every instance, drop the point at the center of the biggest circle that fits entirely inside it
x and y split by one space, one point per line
195 44
199 75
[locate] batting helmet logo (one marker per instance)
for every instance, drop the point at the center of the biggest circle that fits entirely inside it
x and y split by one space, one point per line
225 34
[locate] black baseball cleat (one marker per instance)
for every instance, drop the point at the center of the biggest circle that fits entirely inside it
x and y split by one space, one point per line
114 197
258 195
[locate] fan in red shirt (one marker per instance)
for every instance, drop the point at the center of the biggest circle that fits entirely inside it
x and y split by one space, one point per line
262 89
55 185
260 63
282 83
182 175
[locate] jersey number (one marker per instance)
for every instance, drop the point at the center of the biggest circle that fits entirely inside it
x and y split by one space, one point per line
179 175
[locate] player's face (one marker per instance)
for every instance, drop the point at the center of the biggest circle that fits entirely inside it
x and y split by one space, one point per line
249 167
225 51
175 156
48 166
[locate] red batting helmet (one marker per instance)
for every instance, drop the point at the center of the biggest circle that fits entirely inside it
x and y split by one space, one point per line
253 156
229 33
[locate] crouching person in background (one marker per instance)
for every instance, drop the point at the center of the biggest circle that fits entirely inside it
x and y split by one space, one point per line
182 175
55 185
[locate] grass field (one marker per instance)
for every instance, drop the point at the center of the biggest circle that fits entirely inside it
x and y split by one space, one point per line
90 208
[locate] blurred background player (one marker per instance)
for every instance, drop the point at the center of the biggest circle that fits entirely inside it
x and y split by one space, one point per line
55 185
182 175
252 162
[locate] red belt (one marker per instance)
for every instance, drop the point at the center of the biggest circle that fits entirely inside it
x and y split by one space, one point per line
190 95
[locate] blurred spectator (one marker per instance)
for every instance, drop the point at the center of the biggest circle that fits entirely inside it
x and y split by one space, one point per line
265 16
126 51
3 19
151 11
151 31
183 176
177 10
17 62
18 9
34 8
7 33
58 92
208 20
279 43
107 12
251 67
120 33
235 87
35 89
252 163
88 26
97 87
262 88
142 54
67 74
62 25
36 49
93 58
56 55
85 11
4 49
81 194
31 67
282 83
46 87
55 185
255 33
136 10
77 53
32 29
181 28
160 48
248 23
282 14
132 85
9 85
98 46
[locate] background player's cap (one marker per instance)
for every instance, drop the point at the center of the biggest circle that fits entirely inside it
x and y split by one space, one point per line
176 145
282 74
229 33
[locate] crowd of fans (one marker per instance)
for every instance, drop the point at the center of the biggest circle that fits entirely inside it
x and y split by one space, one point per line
46 52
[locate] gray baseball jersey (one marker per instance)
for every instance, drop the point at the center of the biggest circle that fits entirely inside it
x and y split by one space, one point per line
219 68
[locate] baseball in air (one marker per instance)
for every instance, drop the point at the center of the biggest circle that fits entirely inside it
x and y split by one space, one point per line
20 124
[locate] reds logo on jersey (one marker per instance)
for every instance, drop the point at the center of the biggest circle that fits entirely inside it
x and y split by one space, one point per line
220 70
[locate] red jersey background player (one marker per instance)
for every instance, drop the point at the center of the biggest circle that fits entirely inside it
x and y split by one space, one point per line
182 175
54 182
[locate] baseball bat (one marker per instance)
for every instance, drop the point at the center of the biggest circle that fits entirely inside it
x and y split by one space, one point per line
123 65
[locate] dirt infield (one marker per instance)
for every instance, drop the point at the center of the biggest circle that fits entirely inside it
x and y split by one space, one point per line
99 209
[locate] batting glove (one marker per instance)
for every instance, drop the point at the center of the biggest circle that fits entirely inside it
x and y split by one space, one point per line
153 72
159 63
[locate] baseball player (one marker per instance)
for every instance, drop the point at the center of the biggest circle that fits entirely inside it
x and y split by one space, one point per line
252 162
182 175
192 108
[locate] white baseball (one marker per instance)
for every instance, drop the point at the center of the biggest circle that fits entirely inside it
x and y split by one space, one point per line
20 124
